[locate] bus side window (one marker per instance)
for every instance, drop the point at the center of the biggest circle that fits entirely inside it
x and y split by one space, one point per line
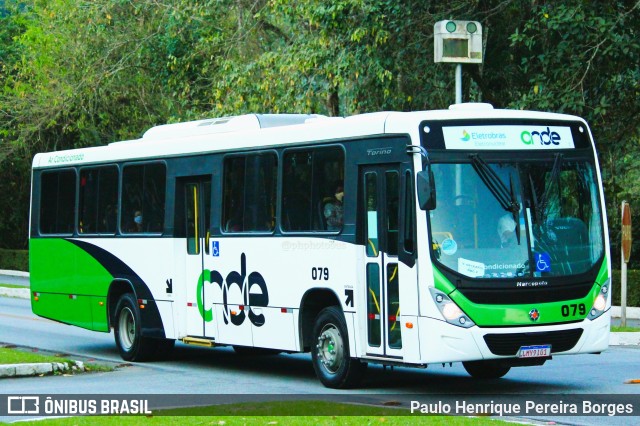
249 193
393 206
191 223
310 181
98 198
57 202
143 198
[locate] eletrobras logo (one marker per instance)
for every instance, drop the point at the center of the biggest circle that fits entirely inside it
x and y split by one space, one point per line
544 137
485 137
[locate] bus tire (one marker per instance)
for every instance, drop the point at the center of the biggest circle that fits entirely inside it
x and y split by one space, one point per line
485 370
330 351
127 331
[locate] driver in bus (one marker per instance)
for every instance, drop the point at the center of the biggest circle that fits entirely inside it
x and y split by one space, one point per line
507 230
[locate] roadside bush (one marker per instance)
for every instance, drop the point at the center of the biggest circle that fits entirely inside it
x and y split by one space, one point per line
17 260
633 287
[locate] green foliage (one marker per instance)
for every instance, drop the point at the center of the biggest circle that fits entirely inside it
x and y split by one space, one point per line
260 413
309 56
584 58
14 202
14 260
85 73
633 288
79 79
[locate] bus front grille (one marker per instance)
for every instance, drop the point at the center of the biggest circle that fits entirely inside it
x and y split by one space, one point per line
508 344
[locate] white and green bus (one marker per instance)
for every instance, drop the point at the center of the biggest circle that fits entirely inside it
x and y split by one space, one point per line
470 235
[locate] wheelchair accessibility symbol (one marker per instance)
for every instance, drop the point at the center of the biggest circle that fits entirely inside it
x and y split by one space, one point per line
215 248
543 262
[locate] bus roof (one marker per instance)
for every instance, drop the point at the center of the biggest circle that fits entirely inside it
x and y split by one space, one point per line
253 131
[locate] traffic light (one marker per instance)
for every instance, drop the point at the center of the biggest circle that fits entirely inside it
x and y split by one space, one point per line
458 42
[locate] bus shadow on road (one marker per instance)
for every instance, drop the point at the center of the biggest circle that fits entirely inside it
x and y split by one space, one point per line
434 379
224 357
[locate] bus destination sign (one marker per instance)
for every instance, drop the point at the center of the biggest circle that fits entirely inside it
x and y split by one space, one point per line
533 137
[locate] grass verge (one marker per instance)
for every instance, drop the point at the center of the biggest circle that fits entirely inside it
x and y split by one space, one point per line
12 285
276 413
13 356
616 329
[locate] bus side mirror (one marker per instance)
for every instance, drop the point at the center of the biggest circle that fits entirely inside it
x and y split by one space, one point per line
426 187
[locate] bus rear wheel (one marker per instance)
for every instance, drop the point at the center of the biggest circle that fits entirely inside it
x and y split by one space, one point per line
486 369
127 331
330 353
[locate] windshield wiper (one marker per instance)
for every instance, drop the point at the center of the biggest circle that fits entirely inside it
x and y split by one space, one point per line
506 197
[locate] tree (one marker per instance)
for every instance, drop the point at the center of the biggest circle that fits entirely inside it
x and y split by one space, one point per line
584 58
84 73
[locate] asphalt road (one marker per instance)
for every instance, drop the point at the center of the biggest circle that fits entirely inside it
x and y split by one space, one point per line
194 370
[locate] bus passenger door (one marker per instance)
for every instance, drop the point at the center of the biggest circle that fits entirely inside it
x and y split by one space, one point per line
381 198
195 228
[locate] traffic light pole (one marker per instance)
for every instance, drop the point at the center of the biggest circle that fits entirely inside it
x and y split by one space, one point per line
459 83
625 251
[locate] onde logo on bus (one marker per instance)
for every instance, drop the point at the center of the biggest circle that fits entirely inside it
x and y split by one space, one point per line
545 137
246 284
508 137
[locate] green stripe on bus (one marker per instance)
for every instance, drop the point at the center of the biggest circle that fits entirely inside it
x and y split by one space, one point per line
515 315
72 286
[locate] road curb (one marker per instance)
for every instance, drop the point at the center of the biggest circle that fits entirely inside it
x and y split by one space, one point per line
39 368
624 339
20 293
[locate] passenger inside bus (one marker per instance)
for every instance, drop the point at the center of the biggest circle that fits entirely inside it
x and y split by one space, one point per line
109 218
235 222
137 222
333 209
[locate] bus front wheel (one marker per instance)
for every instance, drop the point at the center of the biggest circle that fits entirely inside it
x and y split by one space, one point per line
330 352
126 330
486 369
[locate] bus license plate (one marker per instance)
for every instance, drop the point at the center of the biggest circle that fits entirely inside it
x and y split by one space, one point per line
534 351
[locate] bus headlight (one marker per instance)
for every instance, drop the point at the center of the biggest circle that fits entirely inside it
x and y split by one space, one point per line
449 310
600 304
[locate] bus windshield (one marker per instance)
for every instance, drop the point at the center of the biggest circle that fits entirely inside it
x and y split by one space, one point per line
516 218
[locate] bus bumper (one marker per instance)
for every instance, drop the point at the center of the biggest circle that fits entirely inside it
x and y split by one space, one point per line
444 342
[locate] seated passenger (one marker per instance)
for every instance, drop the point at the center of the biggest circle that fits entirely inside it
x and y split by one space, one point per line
137 222
334 211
